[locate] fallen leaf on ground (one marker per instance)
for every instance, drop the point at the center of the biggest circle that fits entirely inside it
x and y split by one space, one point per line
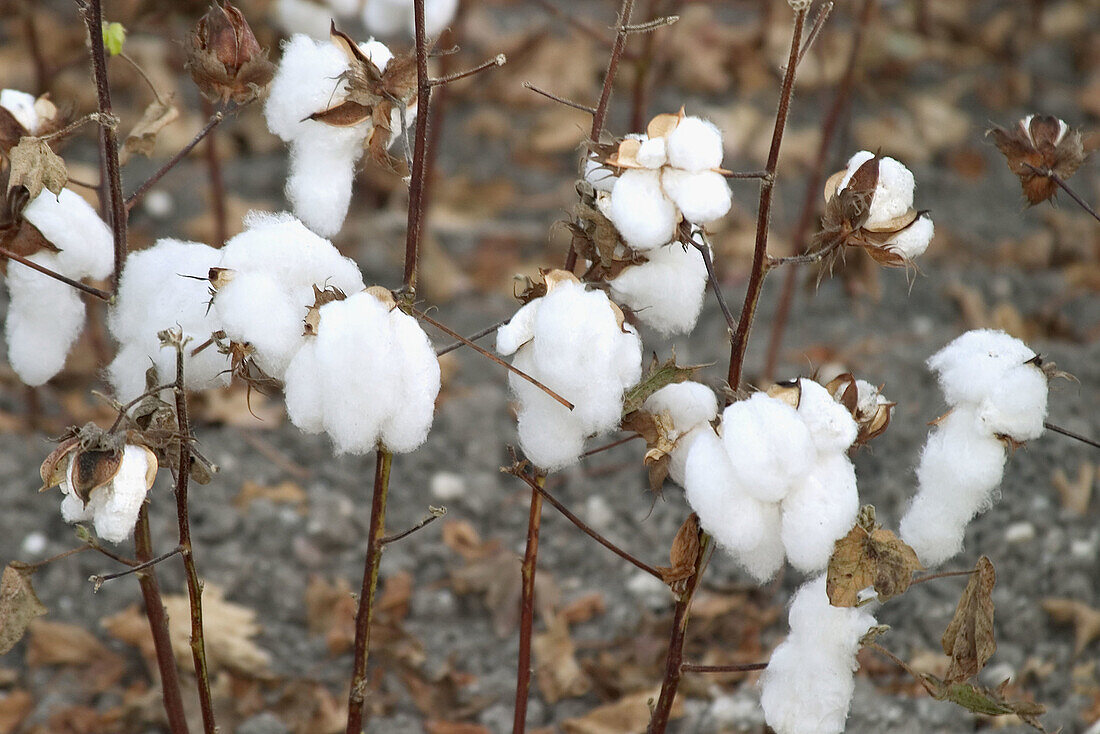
1085 619
18 606
584 608
330 611
283 493
228 630
14 707
556 669
1076 493
969 639
629 715
55 643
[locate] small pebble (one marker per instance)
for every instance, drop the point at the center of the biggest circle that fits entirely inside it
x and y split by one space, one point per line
1019 532
34 543
447 486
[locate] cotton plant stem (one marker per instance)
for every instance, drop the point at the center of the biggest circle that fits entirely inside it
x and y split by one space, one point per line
194 585
214 178
158 625
560 100
365 612
92 11
420 157
133 199
472 338
1065 187
527 607
83 287
1066 432
738 668
813 187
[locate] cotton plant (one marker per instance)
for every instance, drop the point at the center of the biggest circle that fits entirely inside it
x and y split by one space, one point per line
575 342
366 374
774 481
23 114
681 413
808 684
329 100
996 390
665 292
45 316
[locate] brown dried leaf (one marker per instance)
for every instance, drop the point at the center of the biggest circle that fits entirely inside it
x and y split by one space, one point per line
1077 493
35 166
969 639
14 708
1085 619
228 629
345 114
990 702
19 605
684 553
869 556
556 669
584 608
142 139
330 611
629 715
54 643
283 493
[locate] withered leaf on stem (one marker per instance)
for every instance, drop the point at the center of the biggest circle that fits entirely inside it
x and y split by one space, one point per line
684 553
142 140
657 375
990 702
35 166
969 639
18 605
869 556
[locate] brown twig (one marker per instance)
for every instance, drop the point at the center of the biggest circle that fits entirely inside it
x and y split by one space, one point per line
140 192
1065 432
99 579
527 607
739 343
498 60
419 165
607 446
738 668
813 187
815 29
1065 187
158 625
92 11
489 355
472 338
31 567
90 290
560 100
194 586
434 513
704 250
366 595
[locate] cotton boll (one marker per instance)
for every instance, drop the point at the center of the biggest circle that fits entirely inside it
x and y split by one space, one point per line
912 241
45 316
116 519
854 164
665 293
934 534
677 464
818 511
519 330
600 176
695 145
639 209
302 390
72 225
308 81
764 559
21 106
830 424
320 176
254 309
407 428
702 196
893 193
652 153
687 403
768 444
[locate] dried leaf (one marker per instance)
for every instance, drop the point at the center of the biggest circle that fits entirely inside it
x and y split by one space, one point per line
35 166
556 669
18 605
283 493
584 608
969 638
869 556
142 139
345 114
629 715
228 630
1085 619
1075 494
658 375
990 702
14 708
684 553
330 611
54 643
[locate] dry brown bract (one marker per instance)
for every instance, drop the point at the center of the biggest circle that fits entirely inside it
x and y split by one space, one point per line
872 418
1040 142
869 556
225 60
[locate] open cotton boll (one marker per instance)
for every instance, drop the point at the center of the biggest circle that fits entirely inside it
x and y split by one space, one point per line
303 392
819 510
831 426
695 145
519 330
320 176
113 507
688 404
72 225
639 209
893 193
769 445
600 176
912 241
764 559
21 106
652 153
666 292
255 309
407 428
701 196
45 316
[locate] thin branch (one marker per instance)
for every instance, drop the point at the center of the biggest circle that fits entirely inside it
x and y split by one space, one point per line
608 446
498 60
651 25
1065 187
940 575
1071 434
738 668
98 579
803 259
434 514
123 409
90 290
472 338
47 561
704 250
527 605
420 157
143 75
586 529
455 335
560 100
366 595
815 29
745 174
135 197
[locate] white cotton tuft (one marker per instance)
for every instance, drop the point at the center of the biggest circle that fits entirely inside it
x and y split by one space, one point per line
831 426
702 196
960 466
114 507
320 176
808 684
639 209
893 193
21 106
912 241
253 308
652 153
990 371
600 176
690 406
768 444
72 225
369 377
819 510
578 348
45 316
695 145
665 293
159 290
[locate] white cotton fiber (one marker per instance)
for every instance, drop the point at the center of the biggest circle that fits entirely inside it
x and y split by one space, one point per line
702 196
320 176
989 370
113 507
639 209
652 153
253 308
819 510
912 241
695 145
45 316
960 466
831 426
21 106
369 376
764 559
894 192
600 176
571 341
72 225
769 445
690 406
303 17
808 684
665 293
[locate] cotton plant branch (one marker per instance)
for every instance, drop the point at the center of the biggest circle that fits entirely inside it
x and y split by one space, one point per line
139 193
1065 187
214 178
527 606
82 287
560 100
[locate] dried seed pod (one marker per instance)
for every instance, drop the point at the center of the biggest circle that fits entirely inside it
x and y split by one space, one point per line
1036 145
225 60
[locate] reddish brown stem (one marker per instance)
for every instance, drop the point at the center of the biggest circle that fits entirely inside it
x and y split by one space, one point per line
813 188
90 290
527 609
740 341
214 177
738 668
138 194
92 11
158 625
363 617
420 152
